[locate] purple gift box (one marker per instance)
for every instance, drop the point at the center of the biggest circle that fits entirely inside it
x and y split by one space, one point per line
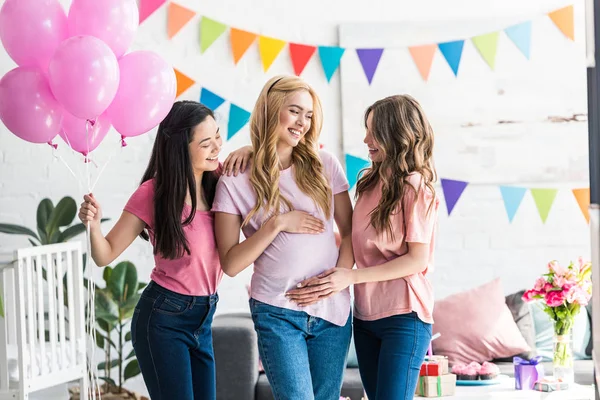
527 372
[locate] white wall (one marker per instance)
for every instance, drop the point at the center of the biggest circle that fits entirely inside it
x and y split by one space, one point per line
476 243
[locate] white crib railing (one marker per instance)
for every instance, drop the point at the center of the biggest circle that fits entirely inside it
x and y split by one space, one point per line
45 318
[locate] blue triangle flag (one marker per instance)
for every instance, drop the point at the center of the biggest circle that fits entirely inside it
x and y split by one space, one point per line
521 36
353 166
452 52
238 117
330 59
512 197
210 99
452 191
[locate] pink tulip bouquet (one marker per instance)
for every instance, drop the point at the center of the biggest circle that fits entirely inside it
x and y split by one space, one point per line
563 291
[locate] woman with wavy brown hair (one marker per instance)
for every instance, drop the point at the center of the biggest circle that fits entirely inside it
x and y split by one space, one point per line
286 205
393 233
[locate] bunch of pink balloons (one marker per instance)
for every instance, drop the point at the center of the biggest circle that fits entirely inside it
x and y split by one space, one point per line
74 78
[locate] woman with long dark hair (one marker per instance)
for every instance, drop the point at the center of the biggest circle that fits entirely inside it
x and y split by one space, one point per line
171 326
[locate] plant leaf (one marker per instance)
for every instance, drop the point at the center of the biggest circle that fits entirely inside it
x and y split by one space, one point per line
44 210
99 340
106 274
2 307
113 364
109 380
12 229
128 337
34 244
106 308
62 215
126 310
132 369
123 281
142 285
131 354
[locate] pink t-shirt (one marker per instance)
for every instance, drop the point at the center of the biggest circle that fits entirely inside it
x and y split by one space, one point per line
291 257
196 274
376 300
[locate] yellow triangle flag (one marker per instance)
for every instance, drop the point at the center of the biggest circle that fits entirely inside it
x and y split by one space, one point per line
240 42
423 58
563 19
269 50
184 82
583 199
178 16
487 45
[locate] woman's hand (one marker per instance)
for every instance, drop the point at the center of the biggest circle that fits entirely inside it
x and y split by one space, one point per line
299 222
322 286
90 211
237 161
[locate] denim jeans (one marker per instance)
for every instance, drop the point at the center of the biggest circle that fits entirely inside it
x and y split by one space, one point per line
172 339
390 352
304 357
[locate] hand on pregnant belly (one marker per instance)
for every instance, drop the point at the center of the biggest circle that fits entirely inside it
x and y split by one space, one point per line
322 286
299 222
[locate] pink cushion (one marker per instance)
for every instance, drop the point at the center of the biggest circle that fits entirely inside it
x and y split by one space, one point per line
476 325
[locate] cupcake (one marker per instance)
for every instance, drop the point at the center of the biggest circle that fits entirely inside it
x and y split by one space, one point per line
465 372
488 371
475 365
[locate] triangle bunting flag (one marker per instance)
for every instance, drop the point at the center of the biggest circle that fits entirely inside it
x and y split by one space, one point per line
487 45
563 19
512 197
369 59
300 55
210 99
210 30
330 59
544 198
184 82
423 58
452 52
147 8
238 117
269 50
178 16
521 36
452 191
353 167
240 42
583 200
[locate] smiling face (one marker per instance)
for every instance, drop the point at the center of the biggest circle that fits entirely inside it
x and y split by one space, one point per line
375 151
205 146
295 118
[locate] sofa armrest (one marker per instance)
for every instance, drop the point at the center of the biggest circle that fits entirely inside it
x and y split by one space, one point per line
236 356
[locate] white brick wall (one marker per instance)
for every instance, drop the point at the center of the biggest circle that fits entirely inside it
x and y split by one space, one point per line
476 243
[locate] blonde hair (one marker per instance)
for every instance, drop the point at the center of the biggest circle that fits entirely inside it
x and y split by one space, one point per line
405 138
308 168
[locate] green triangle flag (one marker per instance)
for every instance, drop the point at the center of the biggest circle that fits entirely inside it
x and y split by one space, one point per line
487 45
210 30
543 201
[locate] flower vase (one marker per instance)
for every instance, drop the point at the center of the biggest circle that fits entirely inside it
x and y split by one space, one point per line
562 357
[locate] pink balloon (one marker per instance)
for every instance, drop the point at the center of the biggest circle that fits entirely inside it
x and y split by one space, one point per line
31 30
112 21
146 93
82 135
84 76
27 106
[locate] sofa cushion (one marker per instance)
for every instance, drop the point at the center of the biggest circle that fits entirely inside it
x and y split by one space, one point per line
524 320
477 325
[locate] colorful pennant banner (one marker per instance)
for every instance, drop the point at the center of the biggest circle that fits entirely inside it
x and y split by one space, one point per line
300 54
512 196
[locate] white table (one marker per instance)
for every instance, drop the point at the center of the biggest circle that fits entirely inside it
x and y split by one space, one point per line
506 391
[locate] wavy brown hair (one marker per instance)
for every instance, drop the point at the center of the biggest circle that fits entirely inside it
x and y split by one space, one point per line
308 168
403 134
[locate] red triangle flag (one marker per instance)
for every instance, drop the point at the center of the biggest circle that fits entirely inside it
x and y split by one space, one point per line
300 55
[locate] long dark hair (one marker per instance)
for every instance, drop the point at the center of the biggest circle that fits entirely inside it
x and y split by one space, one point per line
171 168
405 138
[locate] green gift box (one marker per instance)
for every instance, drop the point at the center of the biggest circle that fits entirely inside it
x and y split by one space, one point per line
436 386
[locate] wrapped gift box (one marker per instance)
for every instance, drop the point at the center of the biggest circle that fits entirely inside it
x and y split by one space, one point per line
443 360
527 372
436 386
550 386
431 368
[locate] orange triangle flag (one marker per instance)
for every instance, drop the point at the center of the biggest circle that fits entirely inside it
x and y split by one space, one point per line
178 17
184 82
269 50
423 58
240 42
583 199
563 19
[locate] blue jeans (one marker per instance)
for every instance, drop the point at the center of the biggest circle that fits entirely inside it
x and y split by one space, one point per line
390 352
304 356
172 338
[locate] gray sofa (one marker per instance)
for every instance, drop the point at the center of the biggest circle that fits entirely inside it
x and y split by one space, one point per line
236 354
